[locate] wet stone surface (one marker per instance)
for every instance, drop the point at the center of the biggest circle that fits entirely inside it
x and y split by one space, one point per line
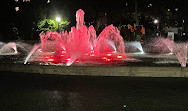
130 60
32 92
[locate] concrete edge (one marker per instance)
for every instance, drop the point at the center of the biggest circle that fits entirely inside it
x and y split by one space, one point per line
129 71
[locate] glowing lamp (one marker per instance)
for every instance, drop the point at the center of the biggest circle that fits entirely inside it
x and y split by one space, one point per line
119 57
109 54
46 57
17 9
104 58
50 60
156 21
63 51
92 54
58 19
68 59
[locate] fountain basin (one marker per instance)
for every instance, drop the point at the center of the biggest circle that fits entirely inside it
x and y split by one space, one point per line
129 71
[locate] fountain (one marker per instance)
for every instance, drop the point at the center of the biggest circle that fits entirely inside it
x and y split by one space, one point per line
165 45
13 48
162 45
181 50
8 49
134 47
80 45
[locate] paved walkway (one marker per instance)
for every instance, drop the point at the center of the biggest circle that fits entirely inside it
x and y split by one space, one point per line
29 92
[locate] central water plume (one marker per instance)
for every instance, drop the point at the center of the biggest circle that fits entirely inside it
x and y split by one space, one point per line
81 44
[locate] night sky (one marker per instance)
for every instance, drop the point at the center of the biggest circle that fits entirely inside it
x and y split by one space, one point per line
110 6
27 14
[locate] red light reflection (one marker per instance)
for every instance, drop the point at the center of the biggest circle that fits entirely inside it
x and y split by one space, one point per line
50 60
109 54
119 56
68 59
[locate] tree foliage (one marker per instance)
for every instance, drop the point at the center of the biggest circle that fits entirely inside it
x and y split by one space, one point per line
51 25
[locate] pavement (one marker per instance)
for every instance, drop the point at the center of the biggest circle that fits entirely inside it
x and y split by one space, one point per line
35 92
142 83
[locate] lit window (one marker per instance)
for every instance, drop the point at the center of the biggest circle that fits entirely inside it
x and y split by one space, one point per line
26 0
126 4
150 5
17 9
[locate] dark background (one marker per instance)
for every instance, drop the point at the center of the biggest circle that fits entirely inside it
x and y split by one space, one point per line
116 12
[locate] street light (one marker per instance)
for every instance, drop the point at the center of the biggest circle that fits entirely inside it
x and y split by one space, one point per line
58 19
156 21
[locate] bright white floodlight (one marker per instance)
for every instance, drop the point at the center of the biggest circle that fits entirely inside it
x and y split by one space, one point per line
58 19
156 21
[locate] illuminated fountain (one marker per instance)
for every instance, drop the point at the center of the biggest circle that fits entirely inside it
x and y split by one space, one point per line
181 50
134 47
13 48
162 45
8 49
80 45
165 45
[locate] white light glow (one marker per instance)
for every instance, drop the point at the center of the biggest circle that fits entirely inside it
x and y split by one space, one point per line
17 9
48 1
26 0
156 21
58 19
150 5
